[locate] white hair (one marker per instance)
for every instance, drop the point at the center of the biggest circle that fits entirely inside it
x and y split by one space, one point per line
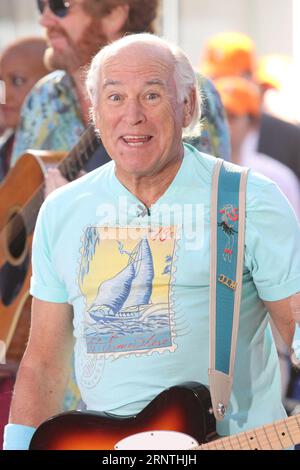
184 74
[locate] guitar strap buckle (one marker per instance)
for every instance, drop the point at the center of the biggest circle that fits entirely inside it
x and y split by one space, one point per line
221 410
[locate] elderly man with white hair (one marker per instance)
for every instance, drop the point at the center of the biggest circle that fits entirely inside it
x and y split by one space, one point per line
121 260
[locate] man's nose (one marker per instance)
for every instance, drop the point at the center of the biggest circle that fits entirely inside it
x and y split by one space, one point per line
134 113
47 18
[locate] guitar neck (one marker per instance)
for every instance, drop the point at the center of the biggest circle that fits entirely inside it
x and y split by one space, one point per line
277 436
80 154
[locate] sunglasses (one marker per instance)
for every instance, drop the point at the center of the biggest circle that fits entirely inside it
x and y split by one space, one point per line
58 7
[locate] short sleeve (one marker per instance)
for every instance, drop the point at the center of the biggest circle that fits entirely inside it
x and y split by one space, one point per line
45 282
272 251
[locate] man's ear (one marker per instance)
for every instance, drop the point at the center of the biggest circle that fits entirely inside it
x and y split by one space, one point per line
114 22
189 108
94 117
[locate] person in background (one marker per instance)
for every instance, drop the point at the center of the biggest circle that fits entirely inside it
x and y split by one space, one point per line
21 66
233 53
228 53
242 102
278 78
57 111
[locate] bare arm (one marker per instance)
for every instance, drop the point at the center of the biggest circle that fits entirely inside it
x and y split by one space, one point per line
45 367
283 314
295 304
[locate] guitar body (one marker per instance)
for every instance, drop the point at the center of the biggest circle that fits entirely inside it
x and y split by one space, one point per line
184 409
21 196
20 185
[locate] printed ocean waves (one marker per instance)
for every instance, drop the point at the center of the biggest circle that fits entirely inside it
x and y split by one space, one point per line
133 335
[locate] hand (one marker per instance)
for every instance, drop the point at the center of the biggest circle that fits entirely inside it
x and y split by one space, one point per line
53 180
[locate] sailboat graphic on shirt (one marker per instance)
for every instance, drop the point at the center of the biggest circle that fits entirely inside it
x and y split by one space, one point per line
125 277
128 293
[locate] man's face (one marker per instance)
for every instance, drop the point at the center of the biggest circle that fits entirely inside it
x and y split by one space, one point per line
139 117
20 71
73 39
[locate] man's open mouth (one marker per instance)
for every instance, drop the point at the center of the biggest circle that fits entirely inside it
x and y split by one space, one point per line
136 140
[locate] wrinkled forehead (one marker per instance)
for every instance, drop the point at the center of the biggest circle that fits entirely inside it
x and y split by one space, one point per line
139 60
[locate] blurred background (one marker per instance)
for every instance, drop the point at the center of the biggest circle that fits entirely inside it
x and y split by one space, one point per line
272 24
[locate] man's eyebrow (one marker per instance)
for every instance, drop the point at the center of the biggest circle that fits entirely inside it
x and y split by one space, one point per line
109 82
154 81
157 81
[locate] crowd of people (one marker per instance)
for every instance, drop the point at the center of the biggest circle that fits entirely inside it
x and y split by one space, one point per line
160 123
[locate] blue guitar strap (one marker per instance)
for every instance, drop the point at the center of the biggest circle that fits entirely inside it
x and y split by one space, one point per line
228 203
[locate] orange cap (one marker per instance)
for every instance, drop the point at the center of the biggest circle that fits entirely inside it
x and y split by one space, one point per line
273 70
239 95
229 53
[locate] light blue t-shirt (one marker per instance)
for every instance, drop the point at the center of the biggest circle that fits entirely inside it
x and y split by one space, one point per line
138 281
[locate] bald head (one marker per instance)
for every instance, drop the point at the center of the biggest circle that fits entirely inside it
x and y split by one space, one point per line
32 48
21 66
143 92
154 48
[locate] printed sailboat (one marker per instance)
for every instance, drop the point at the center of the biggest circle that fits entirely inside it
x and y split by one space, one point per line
128 293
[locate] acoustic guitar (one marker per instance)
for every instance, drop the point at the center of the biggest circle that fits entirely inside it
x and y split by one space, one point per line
21 196
180 418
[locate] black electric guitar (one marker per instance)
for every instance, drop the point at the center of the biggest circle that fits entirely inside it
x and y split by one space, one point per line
21 196
179 418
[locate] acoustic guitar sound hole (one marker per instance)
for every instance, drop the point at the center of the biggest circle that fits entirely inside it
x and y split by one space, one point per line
16 236
13 274
11 281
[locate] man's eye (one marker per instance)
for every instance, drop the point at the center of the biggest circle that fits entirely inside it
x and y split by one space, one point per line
18 81
152 96
115 98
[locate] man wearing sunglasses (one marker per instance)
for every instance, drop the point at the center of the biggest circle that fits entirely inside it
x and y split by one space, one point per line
57 111
58 7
